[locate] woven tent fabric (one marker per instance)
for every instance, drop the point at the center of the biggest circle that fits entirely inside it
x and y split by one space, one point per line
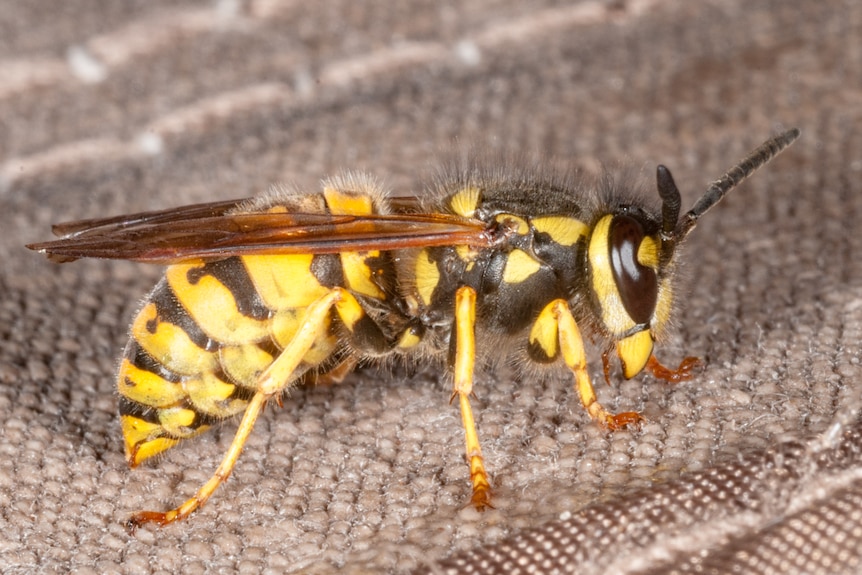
753 465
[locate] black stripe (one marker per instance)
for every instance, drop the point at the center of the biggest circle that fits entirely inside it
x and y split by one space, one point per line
128 407
232 274
138 357
170 310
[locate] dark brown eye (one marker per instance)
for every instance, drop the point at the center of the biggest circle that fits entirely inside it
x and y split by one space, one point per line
637 284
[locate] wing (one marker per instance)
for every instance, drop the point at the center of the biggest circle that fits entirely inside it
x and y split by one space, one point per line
211 231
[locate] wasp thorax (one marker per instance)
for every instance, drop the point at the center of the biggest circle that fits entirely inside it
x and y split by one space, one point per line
629 248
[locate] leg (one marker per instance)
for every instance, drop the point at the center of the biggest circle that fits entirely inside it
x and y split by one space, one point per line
556 319
465 357
271 383
684 372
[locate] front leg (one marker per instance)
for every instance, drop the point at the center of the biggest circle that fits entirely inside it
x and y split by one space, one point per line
556 333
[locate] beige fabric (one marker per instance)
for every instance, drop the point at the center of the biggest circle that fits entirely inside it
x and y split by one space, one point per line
109 108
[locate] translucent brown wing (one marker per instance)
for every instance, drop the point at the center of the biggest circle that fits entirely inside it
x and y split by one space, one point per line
211 231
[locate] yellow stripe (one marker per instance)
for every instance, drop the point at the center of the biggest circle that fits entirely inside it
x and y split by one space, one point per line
614 314
284 281
170 345
564 231
146 387
648 252
210 395
244 363
427 277
346 202
213 307
357 274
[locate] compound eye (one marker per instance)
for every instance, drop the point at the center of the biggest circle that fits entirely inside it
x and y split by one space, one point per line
636 283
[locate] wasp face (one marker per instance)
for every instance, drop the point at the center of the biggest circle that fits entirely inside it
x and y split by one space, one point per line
631 293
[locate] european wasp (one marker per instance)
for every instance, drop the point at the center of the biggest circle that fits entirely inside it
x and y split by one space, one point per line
263 293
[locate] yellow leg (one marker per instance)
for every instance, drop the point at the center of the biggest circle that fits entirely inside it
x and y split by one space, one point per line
272 382
572 347
465 358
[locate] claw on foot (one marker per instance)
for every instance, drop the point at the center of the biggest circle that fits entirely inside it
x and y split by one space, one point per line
684 372
621 420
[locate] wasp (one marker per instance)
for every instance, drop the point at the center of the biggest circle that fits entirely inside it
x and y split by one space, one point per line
262 294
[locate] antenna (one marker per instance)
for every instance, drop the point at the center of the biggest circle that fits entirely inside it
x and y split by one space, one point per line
747 166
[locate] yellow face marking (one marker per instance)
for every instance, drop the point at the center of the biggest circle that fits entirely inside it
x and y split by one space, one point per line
146 387
169 344
564 231
284 281
522 228
614 314
663 306
464 202
519 267
358 275
213 307
648 252
346 202
544 332
634 352
427 277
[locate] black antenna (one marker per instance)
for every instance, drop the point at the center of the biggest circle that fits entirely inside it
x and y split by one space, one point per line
747 166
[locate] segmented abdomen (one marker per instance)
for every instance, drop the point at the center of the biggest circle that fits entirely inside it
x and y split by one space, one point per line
203 337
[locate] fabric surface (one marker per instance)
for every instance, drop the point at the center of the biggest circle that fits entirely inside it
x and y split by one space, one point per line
754 464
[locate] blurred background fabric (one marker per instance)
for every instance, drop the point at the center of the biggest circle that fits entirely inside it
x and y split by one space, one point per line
753 465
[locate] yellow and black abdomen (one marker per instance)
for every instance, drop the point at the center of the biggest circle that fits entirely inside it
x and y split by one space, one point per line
203 337
209 329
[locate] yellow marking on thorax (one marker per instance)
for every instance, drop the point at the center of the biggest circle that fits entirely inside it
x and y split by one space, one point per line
563 230
614 314
284 281
465 201
427 277
346 202
358 275
467 253
213 307
519 267
169 344
522 228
